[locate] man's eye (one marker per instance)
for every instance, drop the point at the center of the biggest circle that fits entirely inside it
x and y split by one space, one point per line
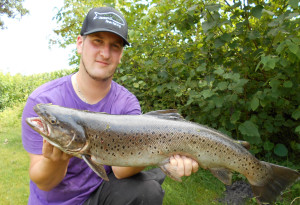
98 40
116 46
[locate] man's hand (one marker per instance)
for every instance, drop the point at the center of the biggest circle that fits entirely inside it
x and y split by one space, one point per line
184 166
53 153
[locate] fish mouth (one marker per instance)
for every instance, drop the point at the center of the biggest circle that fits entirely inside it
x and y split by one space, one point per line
39 125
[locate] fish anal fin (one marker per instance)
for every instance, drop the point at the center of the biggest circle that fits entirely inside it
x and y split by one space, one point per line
170 114
96 167
223 174
171 171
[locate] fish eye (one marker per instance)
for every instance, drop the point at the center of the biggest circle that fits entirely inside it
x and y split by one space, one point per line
53 120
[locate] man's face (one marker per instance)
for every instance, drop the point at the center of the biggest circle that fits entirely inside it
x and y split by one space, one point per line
101 53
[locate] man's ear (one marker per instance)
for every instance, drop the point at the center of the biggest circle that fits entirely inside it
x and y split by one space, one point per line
79 44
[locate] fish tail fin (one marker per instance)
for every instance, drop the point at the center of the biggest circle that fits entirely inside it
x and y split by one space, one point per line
280 178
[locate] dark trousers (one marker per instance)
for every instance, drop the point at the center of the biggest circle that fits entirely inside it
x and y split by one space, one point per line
143 188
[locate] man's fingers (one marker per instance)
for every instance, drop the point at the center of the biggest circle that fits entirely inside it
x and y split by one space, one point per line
180 165
47 149
195 166
187 166
53 153
173 161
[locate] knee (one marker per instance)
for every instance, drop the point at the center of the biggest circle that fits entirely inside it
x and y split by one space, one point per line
149 192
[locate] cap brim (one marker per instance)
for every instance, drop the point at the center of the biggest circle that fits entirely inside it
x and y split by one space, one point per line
106 30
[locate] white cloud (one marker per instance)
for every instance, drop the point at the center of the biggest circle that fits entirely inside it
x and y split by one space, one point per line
24 45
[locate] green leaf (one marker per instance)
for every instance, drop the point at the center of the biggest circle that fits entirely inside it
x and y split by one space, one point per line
219 71
201 68
249 128
294 3
207 93
136 85
288 84
296 114
257 11
269 62
206 26
253 35
297 129
213 7
226 37
235 117
189 55
222 85
268 146
219 43
281 150
254 103
274 83
292 46
281 47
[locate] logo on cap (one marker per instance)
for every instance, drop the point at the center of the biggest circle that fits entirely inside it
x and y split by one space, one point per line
110 18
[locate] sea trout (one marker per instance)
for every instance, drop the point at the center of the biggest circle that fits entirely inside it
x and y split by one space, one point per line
151 139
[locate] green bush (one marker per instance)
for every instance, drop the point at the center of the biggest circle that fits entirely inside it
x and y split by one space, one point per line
234 67
15 89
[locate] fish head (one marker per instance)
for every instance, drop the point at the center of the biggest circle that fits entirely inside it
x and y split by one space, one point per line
59 126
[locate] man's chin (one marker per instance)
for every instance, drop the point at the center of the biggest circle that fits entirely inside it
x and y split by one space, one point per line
99 77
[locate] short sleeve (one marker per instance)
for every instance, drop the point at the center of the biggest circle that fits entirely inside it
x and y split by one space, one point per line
32 141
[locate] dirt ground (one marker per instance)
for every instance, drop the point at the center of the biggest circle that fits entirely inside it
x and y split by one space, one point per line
237 193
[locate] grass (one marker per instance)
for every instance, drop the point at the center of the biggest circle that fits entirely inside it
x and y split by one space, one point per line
14 186
201 188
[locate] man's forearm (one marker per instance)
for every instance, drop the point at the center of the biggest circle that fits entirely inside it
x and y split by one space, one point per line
47 174
124 172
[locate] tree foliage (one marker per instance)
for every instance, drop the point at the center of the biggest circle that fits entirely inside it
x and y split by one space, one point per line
230 65
12 9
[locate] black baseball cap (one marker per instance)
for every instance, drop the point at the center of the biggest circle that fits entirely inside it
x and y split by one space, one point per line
105 19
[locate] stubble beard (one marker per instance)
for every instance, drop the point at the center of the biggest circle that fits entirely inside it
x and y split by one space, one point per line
99 79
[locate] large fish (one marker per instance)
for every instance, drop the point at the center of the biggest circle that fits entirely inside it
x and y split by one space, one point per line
150 139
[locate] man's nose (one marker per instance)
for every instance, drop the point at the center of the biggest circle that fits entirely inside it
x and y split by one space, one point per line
105 51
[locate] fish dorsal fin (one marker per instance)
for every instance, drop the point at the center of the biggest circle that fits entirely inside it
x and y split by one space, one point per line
170 114
223 174
243 143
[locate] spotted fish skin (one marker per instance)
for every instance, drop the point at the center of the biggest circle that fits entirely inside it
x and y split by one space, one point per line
150 139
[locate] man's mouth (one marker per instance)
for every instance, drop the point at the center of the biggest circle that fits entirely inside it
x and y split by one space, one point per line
102 62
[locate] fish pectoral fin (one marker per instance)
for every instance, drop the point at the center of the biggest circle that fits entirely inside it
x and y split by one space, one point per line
171 171
96 167
170 114
223 174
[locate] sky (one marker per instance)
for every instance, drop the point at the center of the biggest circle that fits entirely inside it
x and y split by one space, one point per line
24 44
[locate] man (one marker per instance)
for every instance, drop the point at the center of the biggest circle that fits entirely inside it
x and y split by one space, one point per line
56 177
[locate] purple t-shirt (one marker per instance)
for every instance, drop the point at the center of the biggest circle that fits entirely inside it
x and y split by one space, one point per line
80 181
